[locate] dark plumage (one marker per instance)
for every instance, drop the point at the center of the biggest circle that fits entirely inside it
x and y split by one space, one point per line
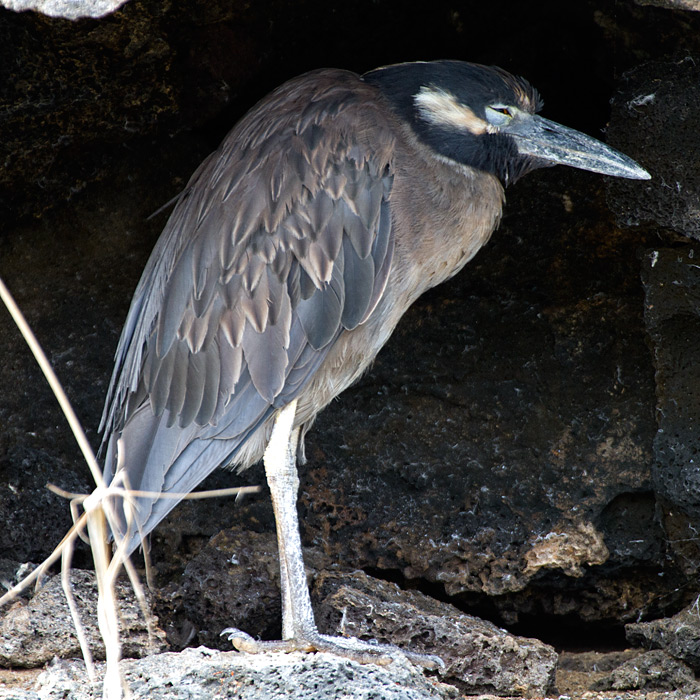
290 257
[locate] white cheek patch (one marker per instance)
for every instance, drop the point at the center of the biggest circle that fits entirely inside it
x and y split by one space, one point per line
442 108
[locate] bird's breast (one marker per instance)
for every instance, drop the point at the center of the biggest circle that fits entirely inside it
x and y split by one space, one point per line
443 213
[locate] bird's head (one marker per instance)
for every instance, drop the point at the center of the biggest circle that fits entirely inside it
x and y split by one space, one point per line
487 119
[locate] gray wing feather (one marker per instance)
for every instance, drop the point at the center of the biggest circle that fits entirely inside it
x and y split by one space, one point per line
280 242
320 314
358 275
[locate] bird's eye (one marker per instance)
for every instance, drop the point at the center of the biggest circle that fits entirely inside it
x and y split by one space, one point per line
499 115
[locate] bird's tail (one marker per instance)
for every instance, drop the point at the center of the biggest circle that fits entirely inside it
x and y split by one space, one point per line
166 461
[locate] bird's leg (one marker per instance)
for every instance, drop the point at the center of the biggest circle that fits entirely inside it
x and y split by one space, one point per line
299 629
283 480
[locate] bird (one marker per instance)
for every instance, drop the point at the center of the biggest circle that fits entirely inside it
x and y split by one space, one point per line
285 265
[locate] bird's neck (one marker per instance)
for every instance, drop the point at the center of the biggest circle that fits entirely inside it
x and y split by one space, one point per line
450 210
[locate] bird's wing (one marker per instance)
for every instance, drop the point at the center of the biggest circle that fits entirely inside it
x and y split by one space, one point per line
280 241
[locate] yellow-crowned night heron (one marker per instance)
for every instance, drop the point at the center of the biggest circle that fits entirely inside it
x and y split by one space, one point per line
286 264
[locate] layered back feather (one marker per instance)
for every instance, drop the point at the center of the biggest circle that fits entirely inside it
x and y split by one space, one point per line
281 241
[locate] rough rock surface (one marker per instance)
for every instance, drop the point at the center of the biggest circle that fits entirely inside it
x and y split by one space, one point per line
234 581
652 670
678 636
208 674
672 313
580 671
479 657
691 5
654 118
32 633
68 9
659 97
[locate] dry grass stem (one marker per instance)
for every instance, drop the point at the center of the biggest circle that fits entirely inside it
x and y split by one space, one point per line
100 518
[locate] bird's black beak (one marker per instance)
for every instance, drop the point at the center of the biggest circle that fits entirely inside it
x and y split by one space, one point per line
550 143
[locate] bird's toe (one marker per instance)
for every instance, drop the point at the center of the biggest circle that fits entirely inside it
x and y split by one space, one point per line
347 647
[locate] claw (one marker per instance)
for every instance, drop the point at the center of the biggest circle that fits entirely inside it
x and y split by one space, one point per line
241 640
